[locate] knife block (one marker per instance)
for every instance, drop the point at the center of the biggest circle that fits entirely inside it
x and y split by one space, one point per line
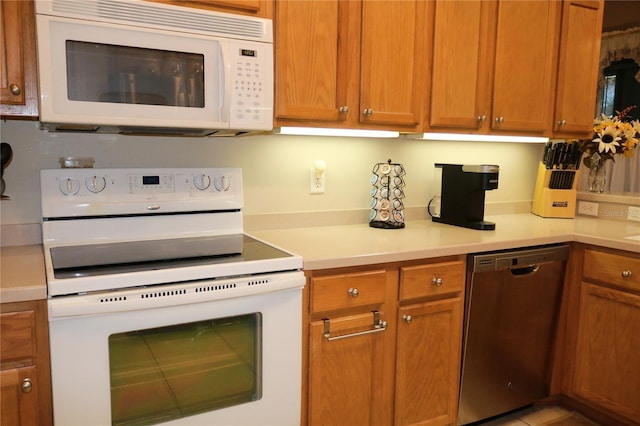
555 192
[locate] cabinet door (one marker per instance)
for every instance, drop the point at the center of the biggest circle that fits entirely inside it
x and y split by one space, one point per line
316 60
578 67
18 87
393 67
607 372
458 76
19 399
428 363
524 60
346 375
260 8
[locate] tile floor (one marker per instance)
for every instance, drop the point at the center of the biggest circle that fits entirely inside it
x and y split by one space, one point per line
539 416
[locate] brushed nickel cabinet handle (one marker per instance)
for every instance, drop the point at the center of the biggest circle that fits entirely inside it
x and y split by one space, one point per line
437 281
353 292
368 112
627 274
407 319
343 109
15 89
482 118
499 120
27 386
562 123
378 326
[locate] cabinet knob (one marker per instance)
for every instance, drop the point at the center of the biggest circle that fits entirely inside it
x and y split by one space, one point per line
368 112
627 274
407 319
499 120
482 118
343 109
26 385
437 281
353 292
562 123
15 89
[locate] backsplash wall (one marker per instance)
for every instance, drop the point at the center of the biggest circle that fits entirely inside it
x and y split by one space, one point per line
275 167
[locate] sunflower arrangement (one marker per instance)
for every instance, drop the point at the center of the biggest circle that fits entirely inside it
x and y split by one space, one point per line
611 136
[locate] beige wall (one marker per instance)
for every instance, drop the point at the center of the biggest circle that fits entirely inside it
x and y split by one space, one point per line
275 168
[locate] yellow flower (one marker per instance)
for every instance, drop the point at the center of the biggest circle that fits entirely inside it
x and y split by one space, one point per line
608 139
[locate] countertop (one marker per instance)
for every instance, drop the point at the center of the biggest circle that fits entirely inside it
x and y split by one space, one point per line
322 247
22 275
353 245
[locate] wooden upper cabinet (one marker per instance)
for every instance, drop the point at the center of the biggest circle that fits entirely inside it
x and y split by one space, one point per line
523 77
350 64
458 84
18 81
259 8
316 58
493 66
393 65
578 68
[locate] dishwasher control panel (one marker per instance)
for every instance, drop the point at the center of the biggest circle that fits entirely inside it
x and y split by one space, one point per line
519 258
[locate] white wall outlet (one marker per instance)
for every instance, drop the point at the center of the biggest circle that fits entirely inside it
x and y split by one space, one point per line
587 208
316 182
633 213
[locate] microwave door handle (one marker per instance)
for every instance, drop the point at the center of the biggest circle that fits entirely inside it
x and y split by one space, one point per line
225 81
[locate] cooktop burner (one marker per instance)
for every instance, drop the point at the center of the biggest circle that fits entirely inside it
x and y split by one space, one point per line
135 256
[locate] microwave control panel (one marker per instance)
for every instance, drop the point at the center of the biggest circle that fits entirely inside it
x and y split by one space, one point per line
252 99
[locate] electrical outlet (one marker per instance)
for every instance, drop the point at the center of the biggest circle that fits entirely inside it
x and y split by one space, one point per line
633 213
316 182
587 208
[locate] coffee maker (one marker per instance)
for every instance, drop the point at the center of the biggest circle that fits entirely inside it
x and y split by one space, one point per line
462 194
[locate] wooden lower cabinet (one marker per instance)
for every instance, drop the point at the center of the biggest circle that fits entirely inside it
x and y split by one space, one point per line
607 371
24 365
599 372
384 344
428 363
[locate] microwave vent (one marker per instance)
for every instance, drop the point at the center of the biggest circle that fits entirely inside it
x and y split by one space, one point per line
161 16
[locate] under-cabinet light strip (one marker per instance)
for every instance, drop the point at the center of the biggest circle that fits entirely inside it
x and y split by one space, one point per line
317 131
478 138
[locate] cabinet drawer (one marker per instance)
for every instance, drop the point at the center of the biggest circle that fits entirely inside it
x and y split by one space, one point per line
431 279
615 269
347 290
17 335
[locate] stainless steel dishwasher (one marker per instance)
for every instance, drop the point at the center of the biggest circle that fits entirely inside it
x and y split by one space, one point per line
511 310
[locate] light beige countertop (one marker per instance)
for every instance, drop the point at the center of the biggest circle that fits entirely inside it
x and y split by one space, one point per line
22 275
353 245
322 247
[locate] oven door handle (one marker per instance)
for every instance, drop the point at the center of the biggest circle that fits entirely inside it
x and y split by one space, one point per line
378 326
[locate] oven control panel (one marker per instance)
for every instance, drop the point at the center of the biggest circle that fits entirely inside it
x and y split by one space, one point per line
88 191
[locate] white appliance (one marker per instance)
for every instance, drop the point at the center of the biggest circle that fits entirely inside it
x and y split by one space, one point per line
135 66
161 310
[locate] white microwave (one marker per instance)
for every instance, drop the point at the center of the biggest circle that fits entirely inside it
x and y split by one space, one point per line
134 66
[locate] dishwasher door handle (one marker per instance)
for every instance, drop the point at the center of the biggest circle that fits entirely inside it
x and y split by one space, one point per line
525 270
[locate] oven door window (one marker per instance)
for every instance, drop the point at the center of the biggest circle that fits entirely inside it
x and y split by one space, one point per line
99 72
177 371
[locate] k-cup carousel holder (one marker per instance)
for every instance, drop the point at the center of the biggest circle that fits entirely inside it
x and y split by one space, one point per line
387 193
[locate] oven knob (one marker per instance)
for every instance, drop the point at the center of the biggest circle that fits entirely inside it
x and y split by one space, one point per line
69 186
95 183
201 182
222 183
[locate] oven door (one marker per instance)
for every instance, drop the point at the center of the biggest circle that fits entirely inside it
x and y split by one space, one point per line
96 73
235 361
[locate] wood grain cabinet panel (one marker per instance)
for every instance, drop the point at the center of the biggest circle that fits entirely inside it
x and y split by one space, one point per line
578 68
607 372
19 77
351 64
24 364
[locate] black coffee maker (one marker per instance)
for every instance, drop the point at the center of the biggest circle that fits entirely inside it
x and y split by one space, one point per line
462 194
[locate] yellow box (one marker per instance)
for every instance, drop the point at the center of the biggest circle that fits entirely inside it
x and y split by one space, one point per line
555 192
